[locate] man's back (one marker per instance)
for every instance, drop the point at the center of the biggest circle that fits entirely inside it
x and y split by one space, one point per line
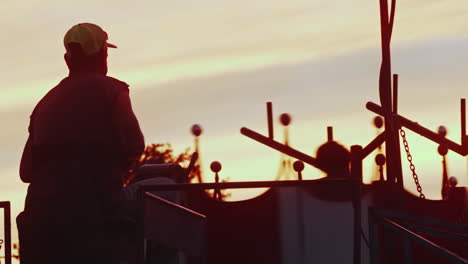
82 136
79 109
74 141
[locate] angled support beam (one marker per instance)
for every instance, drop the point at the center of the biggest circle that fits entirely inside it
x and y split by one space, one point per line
280 147
415 127
379 140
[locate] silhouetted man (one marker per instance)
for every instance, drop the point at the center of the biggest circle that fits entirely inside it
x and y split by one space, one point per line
83 135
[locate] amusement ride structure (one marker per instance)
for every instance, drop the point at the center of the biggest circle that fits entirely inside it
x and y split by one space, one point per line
371 223
281 226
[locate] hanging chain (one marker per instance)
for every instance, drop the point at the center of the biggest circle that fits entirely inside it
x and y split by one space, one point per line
412 167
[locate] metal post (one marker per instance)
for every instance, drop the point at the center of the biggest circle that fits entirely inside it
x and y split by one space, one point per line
140 233
394 173
395 93
356 173
270 120
330 133
7 221
356 162
197 150
301 224
463 122
395 134
373 237
407 250
7 230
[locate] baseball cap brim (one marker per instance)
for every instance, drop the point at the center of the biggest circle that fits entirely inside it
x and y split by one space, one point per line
110 45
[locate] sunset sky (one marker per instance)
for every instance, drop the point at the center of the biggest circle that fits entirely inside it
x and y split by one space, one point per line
216 63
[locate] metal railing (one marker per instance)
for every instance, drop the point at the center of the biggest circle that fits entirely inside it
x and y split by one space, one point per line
170 225
353 183
385 219
7 230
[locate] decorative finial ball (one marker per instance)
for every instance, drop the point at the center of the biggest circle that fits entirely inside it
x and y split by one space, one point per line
452 181
298 166
216 166
443 150
442 131
197 130
380 159
378 122
285 119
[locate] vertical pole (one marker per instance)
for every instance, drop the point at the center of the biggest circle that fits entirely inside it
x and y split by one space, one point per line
407 250
397 161
140 234
385 70
330 133
373 237
356 174
197 150
356 162
217 192
444 178
300 223
464 137
7 223
395 93
270 119
463 122
392 154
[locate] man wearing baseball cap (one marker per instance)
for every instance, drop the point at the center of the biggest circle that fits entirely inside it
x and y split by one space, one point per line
83 137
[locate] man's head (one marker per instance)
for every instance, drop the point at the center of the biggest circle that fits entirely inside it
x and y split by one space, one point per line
334 159
86 45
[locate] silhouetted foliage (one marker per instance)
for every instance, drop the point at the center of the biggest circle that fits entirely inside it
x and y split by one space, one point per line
160 153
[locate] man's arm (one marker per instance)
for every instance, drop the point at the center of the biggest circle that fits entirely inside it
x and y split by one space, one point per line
26 162
131 139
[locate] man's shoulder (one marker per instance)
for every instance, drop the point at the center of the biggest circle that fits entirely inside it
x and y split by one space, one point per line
108 81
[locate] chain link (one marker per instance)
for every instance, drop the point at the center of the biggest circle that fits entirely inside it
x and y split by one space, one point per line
412 167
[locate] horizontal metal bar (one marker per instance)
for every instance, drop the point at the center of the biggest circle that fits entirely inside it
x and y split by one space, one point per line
415 127
243 185
449 255
280 147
